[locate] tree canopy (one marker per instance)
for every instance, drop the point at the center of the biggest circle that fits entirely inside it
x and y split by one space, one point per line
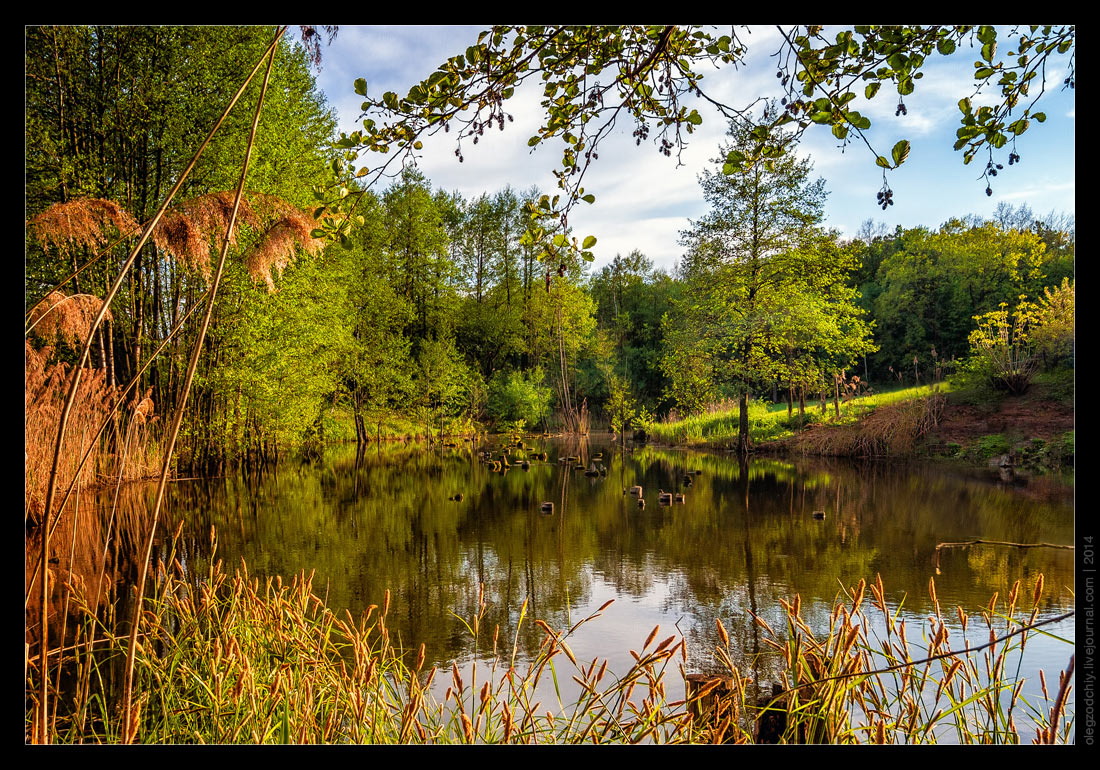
593 76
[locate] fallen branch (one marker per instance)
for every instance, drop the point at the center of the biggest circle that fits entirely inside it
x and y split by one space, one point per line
936 556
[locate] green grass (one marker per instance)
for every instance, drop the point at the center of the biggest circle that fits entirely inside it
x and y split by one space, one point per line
769 422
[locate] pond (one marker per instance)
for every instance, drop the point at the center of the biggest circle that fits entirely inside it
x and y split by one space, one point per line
745 537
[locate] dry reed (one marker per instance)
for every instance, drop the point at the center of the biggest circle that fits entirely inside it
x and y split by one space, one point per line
67 316
188 230
888 430
84 222
238 660
279 245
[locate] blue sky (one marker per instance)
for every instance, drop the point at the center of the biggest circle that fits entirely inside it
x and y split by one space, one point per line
644 200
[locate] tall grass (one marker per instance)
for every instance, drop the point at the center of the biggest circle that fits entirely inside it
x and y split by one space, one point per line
855 684
233 659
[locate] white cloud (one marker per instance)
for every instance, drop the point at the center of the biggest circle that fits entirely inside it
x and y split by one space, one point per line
644 200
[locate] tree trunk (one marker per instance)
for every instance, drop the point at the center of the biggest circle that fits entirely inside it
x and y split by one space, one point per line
743 425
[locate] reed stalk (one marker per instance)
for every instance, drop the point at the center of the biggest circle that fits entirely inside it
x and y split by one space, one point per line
127 709
43 729
238 660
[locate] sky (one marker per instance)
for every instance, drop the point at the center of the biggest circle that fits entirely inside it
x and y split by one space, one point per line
644 199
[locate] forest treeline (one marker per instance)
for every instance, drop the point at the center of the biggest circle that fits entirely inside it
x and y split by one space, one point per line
434 313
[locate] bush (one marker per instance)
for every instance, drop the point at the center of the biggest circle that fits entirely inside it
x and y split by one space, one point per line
516 396
991 446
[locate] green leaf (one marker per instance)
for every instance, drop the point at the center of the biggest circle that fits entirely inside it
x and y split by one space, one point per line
881 161
361 86
590 198
872 89
946 46
589 242
1040 116
900 152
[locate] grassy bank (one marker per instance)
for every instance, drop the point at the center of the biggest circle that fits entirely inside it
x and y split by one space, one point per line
1033 431
232 659
771 423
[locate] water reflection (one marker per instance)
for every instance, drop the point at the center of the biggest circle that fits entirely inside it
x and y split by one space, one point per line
745 537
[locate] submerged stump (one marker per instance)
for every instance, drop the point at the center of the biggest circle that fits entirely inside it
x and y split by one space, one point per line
712 704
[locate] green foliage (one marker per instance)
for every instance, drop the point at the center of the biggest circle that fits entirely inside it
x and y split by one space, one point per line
620 405
926 287
993 445
631 299
1002 351
767 291
1053 330
591 74
519 397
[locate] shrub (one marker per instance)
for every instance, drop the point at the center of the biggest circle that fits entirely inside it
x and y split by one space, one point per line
516 396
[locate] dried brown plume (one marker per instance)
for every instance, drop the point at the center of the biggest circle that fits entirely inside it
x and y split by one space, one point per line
279 245
188 231
70 316
80 222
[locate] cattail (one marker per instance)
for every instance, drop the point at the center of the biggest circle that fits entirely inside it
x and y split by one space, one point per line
1038 593
858 600
722 633
568 653
652 634
419 657
507 722
1043 682
386 603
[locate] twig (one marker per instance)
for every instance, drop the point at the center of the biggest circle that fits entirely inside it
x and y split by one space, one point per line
936 555
948 654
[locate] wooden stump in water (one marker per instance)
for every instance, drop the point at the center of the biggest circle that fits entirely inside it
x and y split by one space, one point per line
772 719
713 705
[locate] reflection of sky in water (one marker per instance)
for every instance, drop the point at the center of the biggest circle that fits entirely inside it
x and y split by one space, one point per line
728 550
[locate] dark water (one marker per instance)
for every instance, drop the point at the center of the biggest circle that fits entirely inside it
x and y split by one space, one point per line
745 538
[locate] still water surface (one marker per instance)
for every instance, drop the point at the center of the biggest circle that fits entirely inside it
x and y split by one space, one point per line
745 537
